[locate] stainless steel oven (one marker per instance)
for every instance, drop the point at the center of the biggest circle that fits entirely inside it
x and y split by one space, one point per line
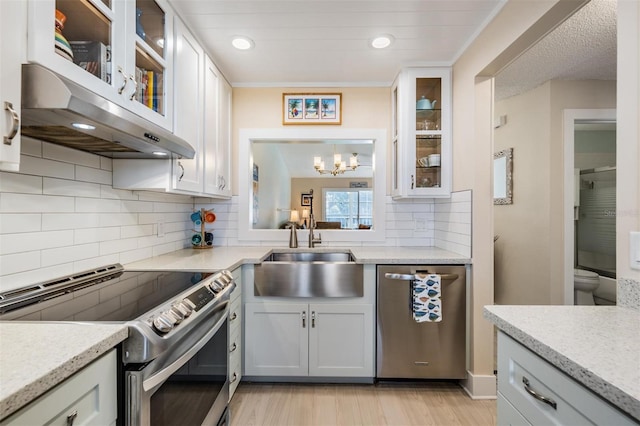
175 360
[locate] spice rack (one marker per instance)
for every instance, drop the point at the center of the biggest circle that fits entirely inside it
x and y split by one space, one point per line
206 217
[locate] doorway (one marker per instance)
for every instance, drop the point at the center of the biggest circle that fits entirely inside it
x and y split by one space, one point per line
575 119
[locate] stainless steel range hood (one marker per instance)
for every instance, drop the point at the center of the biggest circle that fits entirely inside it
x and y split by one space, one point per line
51 104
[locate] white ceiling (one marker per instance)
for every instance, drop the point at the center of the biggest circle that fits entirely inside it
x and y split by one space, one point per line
326 43
581 48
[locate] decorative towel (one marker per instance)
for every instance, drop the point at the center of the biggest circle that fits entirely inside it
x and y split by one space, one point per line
427 306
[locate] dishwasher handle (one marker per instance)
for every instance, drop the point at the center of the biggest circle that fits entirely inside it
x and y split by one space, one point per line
411 277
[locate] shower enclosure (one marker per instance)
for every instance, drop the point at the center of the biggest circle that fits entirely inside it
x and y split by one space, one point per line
596 224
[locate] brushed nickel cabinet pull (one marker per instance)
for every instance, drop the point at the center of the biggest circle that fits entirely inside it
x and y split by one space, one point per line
313 319
135 87
412 181
182 171
537 396
304 319
72 418
233 316
233 378
124 83
233 347
410 277
8 106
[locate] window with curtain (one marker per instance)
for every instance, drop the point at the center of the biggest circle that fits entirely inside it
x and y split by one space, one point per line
349 206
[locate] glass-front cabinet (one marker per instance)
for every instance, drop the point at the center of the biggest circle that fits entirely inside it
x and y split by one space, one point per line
421 133
119 49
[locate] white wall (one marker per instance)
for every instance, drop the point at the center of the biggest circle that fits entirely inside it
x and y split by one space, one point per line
529 260
60 215
628 149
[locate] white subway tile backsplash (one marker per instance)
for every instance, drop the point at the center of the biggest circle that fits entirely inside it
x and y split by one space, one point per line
26 184
106 163
31 147
53 186
57 221
29 242
117 219
44 167
117 246
84 236
106 192
95 262
67 155
13 223
68 254
137 206
136 231
31 203
18 262
92 205
89 174
453 217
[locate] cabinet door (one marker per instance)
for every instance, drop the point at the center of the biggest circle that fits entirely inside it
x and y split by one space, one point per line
223 163
422 111
13 20
189 103
341 340
276 339
212 79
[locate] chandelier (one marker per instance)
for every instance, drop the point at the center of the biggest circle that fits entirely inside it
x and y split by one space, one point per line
339 166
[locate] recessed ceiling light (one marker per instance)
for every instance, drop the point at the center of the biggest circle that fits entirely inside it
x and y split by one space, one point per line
242 43
83 126
382 41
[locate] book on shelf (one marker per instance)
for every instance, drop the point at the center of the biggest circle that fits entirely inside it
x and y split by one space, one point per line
94 57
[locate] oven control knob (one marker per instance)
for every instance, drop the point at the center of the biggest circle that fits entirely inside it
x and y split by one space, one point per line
163 323
215 286
189 305
177 314
184 308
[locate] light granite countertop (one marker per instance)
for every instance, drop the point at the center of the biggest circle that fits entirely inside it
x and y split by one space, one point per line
599 346
36 356
218 258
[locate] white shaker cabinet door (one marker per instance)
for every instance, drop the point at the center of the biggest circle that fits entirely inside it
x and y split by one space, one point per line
341 340
276 339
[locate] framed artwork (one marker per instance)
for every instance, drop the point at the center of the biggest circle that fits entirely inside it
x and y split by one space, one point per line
305 199
312 108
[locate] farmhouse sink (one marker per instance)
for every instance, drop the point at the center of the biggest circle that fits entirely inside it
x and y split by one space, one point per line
309 274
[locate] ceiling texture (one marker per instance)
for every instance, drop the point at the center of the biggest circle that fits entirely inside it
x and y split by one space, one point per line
302 43
327 43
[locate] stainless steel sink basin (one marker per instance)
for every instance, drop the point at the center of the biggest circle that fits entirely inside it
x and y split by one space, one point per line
310 257
309 274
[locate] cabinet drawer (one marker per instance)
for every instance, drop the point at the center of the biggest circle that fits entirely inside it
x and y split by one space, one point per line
574 403
235 315
235 372
91 393
508 415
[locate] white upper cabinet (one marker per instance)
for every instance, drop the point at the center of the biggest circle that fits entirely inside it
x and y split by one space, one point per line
119 49
217 132
188 110
11 50
421 133
202 113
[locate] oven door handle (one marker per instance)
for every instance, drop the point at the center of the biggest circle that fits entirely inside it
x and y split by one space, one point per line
166 372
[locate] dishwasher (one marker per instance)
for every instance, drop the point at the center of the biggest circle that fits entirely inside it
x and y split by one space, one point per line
407 349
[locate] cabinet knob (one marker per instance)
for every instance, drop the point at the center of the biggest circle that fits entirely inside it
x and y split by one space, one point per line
8 106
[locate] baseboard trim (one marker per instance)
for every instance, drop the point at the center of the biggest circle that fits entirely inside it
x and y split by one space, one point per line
480 386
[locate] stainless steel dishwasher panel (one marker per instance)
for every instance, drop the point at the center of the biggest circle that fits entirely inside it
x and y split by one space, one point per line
428 350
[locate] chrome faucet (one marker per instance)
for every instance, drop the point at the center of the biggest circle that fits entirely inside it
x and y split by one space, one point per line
312 239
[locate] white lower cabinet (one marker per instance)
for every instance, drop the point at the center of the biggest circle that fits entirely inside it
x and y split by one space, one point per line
316 339
532 391
235 334
89 397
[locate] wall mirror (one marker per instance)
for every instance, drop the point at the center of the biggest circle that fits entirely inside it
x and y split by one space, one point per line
279 171
503 177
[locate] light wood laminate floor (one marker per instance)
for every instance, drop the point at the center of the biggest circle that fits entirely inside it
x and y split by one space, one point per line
430 403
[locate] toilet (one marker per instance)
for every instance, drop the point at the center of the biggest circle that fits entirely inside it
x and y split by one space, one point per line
584 283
